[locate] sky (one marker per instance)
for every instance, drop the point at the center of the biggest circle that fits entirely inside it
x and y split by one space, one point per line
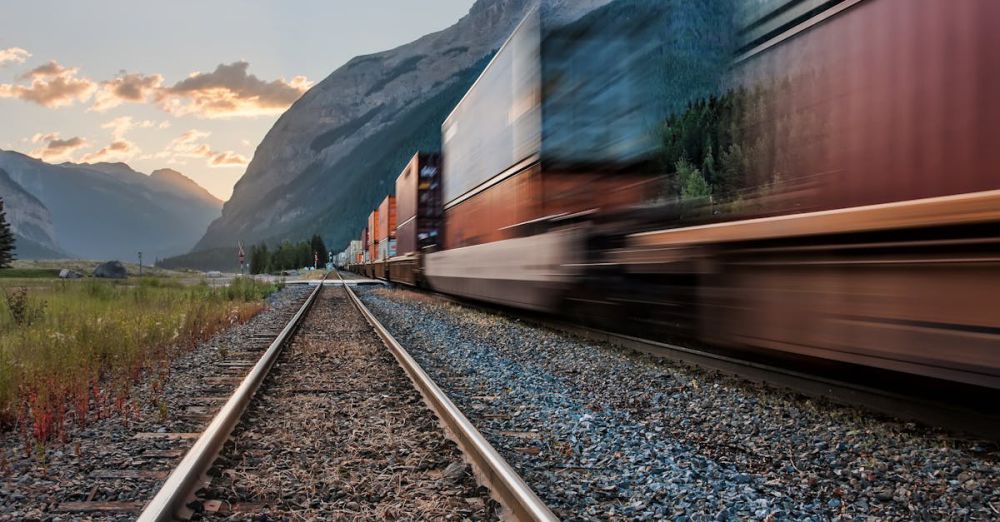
191 85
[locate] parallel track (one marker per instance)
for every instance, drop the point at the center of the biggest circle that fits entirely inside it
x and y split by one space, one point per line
170 502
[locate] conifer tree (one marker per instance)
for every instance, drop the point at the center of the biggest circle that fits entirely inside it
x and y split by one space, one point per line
6 239
319 248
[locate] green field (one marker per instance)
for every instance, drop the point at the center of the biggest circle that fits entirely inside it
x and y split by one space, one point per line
29 273
72 350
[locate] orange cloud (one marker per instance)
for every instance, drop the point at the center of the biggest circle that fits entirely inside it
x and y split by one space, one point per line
228 159
55 148
230 91
52 85
135 88
13 55
189 145
119 150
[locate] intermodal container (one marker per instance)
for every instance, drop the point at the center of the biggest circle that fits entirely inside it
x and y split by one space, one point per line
418 204
371 246
583 95
386 219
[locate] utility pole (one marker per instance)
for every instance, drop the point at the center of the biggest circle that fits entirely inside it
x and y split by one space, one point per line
140 263
242 255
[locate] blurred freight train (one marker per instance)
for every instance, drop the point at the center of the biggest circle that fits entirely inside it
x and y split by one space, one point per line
805 178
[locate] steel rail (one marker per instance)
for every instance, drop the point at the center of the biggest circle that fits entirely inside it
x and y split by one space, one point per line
171 501
492 469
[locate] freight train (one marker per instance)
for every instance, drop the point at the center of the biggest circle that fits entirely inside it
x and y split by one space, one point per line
778 178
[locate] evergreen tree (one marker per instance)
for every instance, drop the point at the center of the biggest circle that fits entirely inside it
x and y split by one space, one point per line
692 183
258 259
263 259
6 239
303 255
319 248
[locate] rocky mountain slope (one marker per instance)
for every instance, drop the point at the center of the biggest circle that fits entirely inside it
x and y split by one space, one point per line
330 158
29 219
107 210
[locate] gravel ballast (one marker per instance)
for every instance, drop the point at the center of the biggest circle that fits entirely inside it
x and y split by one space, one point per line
603 433
32 488
338 432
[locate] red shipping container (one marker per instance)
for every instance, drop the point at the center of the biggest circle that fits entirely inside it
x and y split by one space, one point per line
418 204
386 216
371 244
508 209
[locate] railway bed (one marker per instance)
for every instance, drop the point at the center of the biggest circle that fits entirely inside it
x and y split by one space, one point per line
110 468
602 432
338 432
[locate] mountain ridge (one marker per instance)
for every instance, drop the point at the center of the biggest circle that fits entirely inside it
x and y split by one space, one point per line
306 176
109 210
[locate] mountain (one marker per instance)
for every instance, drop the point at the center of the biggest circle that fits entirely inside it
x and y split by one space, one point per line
336 152
108 210
30 220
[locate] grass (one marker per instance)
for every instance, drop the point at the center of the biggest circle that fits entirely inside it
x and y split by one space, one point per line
71 351
86 267
29 273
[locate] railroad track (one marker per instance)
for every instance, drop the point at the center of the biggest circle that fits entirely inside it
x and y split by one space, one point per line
604 433
250 405
112 468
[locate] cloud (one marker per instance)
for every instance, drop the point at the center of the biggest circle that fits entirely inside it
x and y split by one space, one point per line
228 159
230 91
13 55
118 150
123 124
190 145
52 85
55 148
135 88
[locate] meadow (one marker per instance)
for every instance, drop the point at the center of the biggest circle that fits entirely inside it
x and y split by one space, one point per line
71 351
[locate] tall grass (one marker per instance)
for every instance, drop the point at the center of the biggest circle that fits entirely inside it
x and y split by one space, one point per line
89 342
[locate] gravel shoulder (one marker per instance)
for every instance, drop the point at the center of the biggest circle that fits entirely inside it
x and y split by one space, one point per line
338 432
34 488
603 433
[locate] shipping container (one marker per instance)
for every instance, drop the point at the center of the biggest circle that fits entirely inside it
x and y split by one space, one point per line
588 95
498 122
386 249
354 251
535 201
371 247
418 204
386 219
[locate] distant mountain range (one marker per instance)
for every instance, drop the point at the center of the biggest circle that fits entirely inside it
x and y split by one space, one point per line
101 210
337 151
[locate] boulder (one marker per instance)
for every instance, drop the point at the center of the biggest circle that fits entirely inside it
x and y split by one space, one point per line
66 273
111 270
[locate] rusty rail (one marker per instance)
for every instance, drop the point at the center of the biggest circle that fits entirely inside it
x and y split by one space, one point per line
496 474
